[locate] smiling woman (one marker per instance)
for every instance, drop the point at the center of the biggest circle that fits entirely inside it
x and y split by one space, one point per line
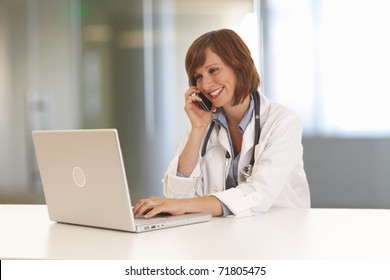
225 43
219 64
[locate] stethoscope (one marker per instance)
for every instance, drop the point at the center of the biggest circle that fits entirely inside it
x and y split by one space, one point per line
245 172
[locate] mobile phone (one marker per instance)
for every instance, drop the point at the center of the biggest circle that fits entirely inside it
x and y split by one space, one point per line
205 104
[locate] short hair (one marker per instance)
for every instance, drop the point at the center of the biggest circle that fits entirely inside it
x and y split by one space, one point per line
233 51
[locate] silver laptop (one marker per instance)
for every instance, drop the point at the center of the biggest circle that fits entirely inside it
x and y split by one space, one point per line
84 182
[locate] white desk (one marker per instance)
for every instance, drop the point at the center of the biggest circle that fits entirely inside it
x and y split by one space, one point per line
27 233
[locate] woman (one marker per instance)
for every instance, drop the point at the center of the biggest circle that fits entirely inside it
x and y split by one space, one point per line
210 171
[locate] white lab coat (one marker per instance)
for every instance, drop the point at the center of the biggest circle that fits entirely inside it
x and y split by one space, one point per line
278 178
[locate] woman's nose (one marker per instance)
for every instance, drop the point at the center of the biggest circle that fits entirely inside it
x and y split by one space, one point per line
207 83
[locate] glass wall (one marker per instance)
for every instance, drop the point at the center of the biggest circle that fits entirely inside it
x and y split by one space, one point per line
68 64
38 88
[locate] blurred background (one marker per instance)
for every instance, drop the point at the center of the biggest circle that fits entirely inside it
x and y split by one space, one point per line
67 64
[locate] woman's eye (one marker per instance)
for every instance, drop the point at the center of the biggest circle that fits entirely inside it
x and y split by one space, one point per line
213 70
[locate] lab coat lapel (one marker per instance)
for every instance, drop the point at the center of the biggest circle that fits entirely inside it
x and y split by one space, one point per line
223 139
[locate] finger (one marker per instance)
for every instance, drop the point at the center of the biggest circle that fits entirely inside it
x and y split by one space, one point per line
192 94
137 212
153 212
193 98
143 206
136 208
190 91
142 212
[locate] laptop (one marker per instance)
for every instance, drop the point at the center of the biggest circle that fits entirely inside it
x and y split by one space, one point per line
84 182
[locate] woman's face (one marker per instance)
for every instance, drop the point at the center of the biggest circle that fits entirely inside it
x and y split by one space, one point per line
216 80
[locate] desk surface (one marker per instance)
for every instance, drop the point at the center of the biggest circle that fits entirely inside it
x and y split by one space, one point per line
27 233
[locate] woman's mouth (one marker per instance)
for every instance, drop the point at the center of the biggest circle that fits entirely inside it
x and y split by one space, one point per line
214 94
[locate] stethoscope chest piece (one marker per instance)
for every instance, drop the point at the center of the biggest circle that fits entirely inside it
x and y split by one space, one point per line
246 172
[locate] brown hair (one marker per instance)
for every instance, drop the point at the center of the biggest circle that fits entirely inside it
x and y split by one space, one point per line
233 51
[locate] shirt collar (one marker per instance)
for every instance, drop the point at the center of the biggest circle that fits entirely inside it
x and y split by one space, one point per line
220 117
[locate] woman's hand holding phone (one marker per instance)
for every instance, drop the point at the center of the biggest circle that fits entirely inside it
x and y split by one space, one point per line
198 107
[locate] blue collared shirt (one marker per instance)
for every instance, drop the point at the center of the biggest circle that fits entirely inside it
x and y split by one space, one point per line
220 119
